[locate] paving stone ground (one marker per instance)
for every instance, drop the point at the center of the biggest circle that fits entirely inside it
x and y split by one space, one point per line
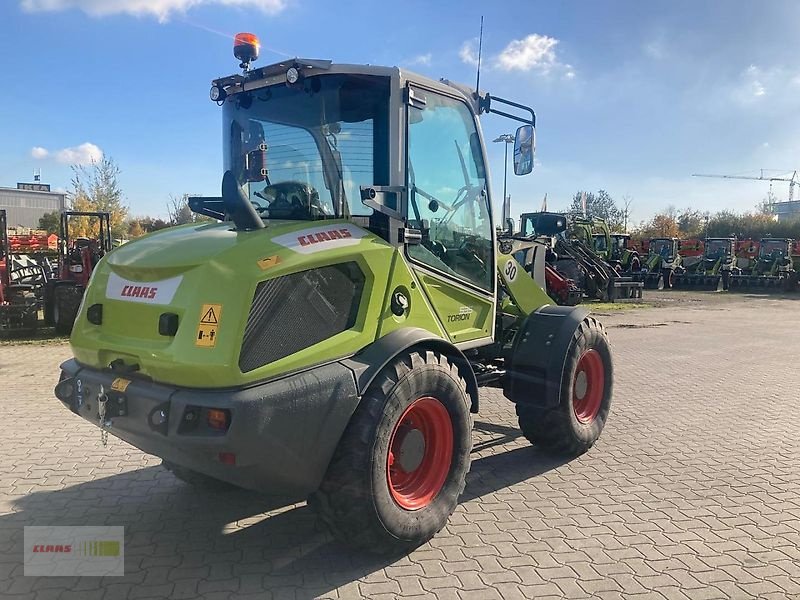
692 492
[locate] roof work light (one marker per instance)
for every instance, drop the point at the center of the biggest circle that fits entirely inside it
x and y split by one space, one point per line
245 48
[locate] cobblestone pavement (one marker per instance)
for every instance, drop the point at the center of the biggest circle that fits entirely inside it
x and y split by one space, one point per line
692 492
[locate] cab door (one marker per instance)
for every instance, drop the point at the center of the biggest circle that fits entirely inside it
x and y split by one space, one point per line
448 202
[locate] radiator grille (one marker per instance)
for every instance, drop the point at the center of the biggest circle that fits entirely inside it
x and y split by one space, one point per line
299 310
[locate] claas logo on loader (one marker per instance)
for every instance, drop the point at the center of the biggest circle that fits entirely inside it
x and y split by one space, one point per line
324 236
139 291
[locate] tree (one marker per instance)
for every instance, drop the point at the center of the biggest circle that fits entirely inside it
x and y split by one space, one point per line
692 223
95 188
135 229
664 224
180 213
600 205
50 222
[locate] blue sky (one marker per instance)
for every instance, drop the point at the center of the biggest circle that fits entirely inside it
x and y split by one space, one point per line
630 96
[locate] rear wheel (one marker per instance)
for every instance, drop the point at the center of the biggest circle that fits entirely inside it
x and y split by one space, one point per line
402 462
586 386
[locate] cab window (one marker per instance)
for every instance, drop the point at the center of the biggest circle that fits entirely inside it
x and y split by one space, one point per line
448 202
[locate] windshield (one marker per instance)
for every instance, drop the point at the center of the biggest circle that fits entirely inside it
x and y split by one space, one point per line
661 247
620 242
772 248
717 249
600 242
303 151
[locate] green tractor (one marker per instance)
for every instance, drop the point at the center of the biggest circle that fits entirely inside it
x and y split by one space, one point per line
772 269
327 338
662 260
616 249
716 266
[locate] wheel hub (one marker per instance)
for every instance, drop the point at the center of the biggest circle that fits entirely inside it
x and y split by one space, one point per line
581 385
412 450
420 453
588 386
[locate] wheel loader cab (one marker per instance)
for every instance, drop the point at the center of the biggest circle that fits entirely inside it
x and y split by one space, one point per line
399 154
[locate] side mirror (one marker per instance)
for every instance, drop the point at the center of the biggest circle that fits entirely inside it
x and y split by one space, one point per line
510 226
524 145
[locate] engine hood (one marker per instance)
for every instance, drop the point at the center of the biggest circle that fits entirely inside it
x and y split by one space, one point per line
175 250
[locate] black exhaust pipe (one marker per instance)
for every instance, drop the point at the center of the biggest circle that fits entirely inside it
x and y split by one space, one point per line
238 206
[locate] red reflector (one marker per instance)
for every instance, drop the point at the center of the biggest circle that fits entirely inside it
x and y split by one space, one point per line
217 419
227 458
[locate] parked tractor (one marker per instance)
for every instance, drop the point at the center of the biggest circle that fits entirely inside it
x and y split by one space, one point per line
771 269
328 338
575 259
618 251
19 309
663 258
538 236
77 259
715 268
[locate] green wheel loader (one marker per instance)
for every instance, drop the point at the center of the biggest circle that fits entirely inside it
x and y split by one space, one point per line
327 338
715 268
661 263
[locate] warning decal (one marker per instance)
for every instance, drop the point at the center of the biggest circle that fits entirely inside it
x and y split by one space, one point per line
208 327
270 261
120 384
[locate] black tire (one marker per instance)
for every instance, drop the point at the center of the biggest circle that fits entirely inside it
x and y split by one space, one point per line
67 301
356 499
198 480
669 278
48 302
559 430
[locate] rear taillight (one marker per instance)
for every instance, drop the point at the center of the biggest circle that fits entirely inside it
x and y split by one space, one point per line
218 419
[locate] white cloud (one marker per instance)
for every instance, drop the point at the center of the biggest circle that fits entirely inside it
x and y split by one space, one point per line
79 155
422 60
83 154
469 52
161 9
533 53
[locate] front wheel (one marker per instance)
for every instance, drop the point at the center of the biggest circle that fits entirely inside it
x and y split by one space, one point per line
586 386
402 462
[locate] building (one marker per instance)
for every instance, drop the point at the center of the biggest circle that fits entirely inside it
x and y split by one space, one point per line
786 210
29 201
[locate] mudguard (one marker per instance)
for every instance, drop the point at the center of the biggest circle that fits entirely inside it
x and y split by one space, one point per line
536 364
369 362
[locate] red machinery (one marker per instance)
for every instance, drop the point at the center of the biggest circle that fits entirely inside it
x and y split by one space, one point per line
77 259
19 310
564 291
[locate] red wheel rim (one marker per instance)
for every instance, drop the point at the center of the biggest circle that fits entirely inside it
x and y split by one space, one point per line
588 386
420 453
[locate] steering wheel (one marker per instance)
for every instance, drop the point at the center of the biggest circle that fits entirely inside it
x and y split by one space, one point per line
291 200
438 248
467 250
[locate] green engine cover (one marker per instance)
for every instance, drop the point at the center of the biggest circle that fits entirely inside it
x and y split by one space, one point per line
206 276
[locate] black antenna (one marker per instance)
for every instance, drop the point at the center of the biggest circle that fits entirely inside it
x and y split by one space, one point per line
480 49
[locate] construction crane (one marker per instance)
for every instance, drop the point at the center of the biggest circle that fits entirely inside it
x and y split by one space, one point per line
793 181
